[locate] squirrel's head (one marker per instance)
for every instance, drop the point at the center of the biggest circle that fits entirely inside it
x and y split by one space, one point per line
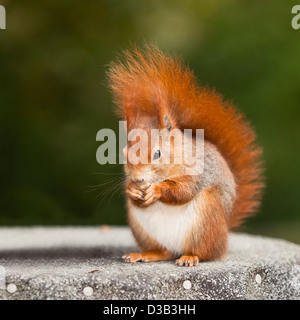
148 89
155 152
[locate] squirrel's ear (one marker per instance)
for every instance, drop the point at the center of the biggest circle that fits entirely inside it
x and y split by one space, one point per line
167 123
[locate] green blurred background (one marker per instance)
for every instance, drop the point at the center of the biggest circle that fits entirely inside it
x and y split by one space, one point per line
54 99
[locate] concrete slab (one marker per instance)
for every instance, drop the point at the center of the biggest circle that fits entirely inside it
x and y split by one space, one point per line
56 263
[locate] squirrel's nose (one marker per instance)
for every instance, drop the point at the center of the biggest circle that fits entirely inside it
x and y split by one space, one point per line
139 180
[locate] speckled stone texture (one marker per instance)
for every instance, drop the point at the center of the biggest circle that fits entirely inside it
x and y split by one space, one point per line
56 263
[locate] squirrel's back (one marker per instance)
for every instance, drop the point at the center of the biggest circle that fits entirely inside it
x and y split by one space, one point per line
159 84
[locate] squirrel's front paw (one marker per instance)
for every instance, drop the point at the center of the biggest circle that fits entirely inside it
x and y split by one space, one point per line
134 192
152 194
143 197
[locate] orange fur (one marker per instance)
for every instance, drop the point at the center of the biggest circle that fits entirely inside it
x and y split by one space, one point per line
211 242
148 256
149 84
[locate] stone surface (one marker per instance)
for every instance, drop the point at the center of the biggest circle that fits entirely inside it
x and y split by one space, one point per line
85 263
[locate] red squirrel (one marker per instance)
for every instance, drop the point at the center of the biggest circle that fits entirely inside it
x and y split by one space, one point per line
174 215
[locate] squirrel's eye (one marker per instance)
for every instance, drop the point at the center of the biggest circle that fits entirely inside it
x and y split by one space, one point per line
157 155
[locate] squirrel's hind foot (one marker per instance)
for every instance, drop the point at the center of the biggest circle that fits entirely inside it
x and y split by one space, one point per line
187 261
147 256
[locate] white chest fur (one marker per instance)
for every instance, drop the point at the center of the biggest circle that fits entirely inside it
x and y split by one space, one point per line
167 224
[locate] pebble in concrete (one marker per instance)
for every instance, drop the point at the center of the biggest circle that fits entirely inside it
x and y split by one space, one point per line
258 279
11 288
88 291
187 284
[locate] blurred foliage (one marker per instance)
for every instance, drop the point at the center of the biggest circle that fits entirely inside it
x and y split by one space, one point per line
54 99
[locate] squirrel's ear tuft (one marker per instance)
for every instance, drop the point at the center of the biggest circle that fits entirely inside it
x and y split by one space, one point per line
167 123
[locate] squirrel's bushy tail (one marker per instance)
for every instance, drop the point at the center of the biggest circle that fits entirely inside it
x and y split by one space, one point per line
148 81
